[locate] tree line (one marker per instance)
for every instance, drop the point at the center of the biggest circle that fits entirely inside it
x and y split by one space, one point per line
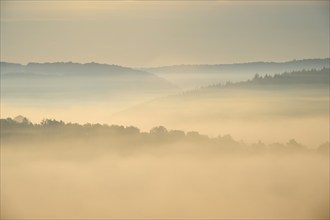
20 129
312 77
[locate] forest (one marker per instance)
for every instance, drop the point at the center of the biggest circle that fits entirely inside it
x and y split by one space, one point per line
118 137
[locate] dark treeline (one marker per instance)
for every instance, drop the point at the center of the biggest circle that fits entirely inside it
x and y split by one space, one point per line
306 78
21 130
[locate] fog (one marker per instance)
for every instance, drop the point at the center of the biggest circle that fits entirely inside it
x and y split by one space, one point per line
164 110
195 76
292 105
256 149
61 171
247 116
81 180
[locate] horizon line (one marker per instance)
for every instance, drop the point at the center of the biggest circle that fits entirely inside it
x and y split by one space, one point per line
161 66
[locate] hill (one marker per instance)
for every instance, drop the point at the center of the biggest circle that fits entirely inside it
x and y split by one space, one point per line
72 83
294 104
194 76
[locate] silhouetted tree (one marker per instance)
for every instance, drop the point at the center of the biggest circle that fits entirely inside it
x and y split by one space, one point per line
294 145
51 123
160 130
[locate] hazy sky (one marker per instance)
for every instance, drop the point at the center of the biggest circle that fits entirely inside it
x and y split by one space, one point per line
144 33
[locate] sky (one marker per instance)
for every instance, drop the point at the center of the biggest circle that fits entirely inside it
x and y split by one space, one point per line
158 33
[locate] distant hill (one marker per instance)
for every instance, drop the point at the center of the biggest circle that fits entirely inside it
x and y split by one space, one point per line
67 68
305 79
193 76
74 82
295 103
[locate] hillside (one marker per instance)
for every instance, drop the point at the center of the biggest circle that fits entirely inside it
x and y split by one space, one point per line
74 83
295 104
68 68
194 76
